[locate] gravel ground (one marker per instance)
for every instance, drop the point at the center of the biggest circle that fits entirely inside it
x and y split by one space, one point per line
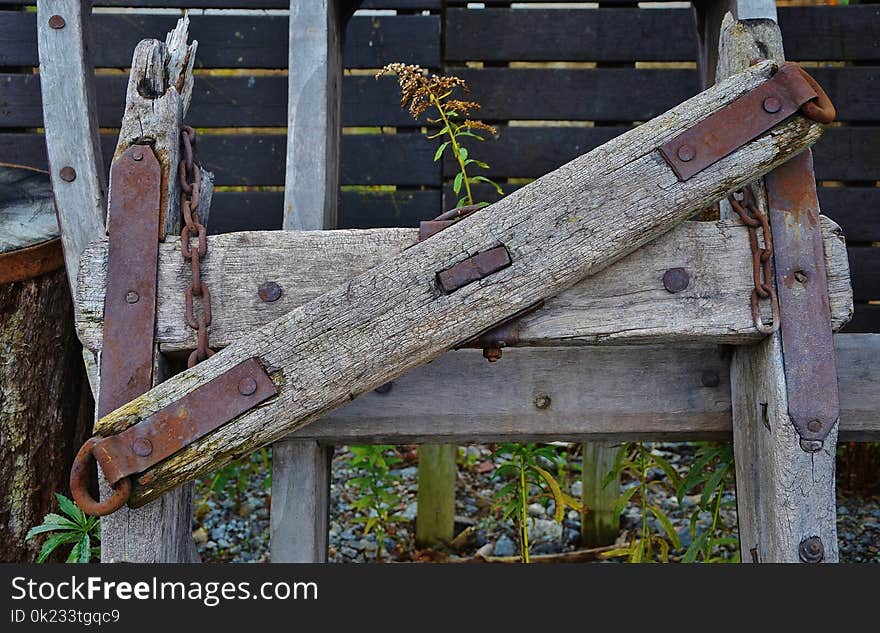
232 519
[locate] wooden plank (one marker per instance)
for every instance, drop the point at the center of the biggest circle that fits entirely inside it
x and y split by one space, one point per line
784 493
628 34
639 393
864 262
392 318
250 4
624 303
598 496
236 41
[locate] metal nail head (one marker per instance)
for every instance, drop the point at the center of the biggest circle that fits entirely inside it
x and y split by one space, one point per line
68 174
269 291
57 22
247 386
676 279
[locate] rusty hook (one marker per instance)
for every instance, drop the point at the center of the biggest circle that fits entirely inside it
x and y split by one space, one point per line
819 109
79 484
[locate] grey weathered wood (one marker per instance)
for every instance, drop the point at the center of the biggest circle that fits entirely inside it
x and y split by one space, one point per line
624 303
784 494
300 481
28 208
565 226
70 121
315 68
158 95
620 393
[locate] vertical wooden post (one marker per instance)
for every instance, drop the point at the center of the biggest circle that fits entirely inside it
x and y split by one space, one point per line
435 520
301 469
597 525
784 494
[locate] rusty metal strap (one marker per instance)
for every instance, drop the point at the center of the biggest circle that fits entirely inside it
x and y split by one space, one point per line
791 89
30 262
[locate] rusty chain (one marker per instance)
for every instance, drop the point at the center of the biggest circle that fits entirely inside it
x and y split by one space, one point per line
746 208
190 177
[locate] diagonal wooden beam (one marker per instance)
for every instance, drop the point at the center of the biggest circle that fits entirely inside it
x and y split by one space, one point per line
561 228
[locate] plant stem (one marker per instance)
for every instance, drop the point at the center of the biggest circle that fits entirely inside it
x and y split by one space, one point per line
524 515
643 470
455 148
714 521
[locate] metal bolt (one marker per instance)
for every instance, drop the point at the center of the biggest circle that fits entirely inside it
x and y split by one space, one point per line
676 279
492 354
56 22
247 386
68 174
772 105
710 378
686 153
142 447
542 401
801 276
811 446
811 550
383 389
132 297
269 291
815 426
137 155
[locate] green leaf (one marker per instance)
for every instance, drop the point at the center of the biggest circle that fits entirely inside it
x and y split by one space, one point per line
69 508
712 486
81 552
670 472
695 547
666 524
52 543
440 150
456 184
467 132
41 529
556 491
440 133
462 153
488 181
371 523
621 502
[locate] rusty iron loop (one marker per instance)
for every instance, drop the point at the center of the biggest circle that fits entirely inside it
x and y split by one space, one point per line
202 351
79 484
186 248
188 304
756 312
459 213
819 109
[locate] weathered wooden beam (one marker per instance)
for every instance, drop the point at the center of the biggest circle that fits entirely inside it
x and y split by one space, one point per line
784 494
627 302
559 229
301 469
629 393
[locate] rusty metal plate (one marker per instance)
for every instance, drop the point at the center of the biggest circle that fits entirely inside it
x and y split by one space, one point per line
427 228
802 288
473 268
130 302
30 262
739 122
179 424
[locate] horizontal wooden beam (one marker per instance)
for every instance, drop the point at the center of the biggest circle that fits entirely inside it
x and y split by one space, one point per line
600 393
625 303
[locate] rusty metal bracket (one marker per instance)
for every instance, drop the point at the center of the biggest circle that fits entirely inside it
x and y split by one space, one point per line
504 334
132 268
810 364
473 268
181 423
427 228
741 121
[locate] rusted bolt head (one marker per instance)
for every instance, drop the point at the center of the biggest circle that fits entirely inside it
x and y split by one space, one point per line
686 153
815 426
492 354
68 174
676 279
132 297
801 276
269 291
772 105
56 22
383 389
137 155
247 386
142 447
811 550
710 378
542 401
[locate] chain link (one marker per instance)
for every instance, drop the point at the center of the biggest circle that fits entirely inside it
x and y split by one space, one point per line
743 203
190 177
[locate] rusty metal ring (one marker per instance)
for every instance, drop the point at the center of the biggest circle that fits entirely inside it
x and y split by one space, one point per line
79 488
819 109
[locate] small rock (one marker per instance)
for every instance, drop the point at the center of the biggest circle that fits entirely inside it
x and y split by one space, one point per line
410 511
577 489
504 547
571 537
536 510
348 552
542 529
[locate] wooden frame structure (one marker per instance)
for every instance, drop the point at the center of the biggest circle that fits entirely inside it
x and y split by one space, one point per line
677 401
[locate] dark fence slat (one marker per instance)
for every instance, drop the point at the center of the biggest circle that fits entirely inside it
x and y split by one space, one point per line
234 41
864 268
866 318
855 209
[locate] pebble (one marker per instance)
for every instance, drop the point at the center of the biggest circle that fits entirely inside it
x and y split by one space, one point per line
577 489
504 547
535 510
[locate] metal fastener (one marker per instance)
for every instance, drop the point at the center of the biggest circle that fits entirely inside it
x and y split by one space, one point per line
811 446
68 174
811 550
815 426
676 279
710 378
772 105
269 291
801 276
56 22
247 386
138 155
492 354
383 389
542 401
686 153
132 297
142 447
